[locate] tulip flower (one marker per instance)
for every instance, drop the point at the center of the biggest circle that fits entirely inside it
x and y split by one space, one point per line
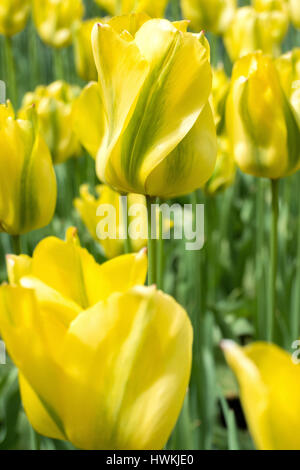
27 178
104 362
269 388
219 94
261 123
225 170
54 109
210 15
87 206
253 30
56 19
154 8
150 126
294 8
13 16
84 59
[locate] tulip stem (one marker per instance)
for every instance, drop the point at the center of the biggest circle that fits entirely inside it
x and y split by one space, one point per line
11 71
260 253
58 64
274 261
160 251
127 242
151 243
16 244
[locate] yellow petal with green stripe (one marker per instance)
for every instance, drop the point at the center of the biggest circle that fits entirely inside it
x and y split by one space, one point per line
269 385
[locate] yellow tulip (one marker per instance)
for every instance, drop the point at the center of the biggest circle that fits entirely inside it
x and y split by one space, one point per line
27 178
154 8
54 109
225 170
104 362
148 121
210 15
261 124
219 94
294 6
13 16
56 19
87 206
253 30
84 59
269 388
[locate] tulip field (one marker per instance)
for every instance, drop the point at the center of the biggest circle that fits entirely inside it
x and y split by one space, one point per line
149 225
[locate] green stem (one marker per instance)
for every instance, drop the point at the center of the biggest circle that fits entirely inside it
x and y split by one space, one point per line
35 65
274 261
16 244
260 287
58 64
127 241
151 245
11 71
294 321
160 251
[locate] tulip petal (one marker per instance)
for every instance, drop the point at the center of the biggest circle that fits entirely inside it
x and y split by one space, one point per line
22 329
89 126
17 267
37 414
72 271
270 399
190 164
145 338
122 71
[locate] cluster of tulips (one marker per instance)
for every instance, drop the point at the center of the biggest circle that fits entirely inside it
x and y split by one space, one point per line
104 361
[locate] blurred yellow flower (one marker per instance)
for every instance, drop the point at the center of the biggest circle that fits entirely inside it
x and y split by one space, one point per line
104 362
288 68
13 16
269 388
219 94
253 30
87 206
56 19
225 170
211 15
154 8
84 59
54 109
294 6
27 178
261 123
148 121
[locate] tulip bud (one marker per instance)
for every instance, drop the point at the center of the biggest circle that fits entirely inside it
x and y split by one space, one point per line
154 8
150 111
270 398
54 110
13 16
253 30
56 19
84 59
210 15
104 362
27 178
261 123
294 7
